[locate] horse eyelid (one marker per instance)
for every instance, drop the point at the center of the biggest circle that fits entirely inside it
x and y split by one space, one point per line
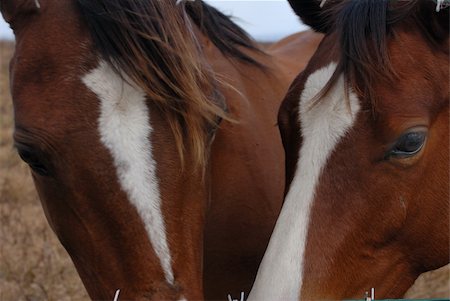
400 154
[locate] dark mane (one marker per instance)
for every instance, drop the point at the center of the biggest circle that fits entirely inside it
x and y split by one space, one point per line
226 35
153 43
364 27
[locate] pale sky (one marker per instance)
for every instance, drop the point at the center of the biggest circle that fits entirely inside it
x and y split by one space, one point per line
265 20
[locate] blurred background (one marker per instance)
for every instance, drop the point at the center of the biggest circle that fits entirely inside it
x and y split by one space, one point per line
265 20
33 265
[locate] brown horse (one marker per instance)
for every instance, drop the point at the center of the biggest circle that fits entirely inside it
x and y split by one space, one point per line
150 130
365 127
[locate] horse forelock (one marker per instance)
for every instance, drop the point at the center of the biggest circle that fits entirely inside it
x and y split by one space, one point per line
154 44
363 30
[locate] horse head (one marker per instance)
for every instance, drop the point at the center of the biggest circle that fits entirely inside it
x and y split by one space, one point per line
104 143
365 128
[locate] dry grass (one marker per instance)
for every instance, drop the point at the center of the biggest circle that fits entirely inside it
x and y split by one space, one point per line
435 284
33 265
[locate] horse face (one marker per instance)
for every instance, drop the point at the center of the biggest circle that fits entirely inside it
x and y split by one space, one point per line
103 161
368 180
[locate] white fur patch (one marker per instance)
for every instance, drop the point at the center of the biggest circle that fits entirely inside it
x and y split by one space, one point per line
125 129
323 125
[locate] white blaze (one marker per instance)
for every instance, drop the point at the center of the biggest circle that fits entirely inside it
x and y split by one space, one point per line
322 127
125 129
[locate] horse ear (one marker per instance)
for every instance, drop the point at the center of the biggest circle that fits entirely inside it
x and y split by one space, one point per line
7 8
311 13
11 8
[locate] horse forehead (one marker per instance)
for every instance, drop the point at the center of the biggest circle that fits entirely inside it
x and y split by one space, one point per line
336 106
416 94
125 130
51 52
45 81
55 26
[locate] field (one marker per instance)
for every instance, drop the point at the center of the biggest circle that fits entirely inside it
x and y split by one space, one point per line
33 265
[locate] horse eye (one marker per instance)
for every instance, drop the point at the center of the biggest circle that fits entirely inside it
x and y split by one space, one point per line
408 145
32 159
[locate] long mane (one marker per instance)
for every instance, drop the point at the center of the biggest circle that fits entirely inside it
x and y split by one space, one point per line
363 29
153 43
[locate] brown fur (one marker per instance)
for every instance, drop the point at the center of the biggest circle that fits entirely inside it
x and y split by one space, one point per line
379 221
